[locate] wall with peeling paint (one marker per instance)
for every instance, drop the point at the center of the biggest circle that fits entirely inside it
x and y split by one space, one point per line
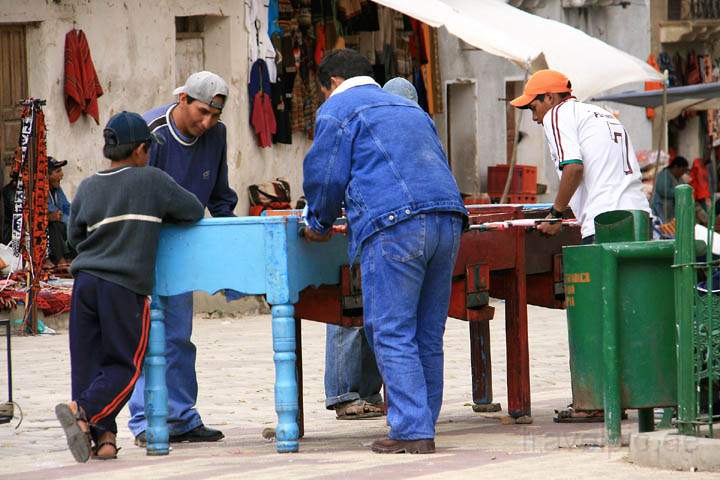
133 47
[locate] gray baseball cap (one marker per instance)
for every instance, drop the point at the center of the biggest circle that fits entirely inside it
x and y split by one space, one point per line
204 86
402 87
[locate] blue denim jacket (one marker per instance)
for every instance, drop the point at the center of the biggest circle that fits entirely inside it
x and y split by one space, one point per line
379 154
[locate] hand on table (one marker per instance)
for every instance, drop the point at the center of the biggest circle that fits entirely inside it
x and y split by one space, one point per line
312 236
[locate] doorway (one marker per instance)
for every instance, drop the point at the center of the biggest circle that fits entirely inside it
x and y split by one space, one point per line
462 134
13 89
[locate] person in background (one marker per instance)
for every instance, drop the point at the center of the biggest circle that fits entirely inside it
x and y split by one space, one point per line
352 379
663 200
58 216
8 197
401 87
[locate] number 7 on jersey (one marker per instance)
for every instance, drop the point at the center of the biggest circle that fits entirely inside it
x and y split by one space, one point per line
619 136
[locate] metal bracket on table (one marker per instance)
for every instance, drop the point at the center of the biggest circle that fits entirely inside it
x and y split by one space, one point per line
351 291
477 292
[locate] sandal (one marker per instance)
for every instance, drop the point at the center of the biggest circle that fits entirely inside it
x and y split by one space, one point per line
570 415
78 440
110 440
357 410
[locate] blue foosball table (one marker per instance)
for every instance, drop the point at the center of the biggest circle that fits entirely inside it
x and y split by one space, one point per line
254 256
268 256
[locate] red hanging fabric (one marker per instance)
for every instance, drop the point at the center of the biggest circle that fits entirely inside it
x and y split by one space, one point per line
699 180
82 86
649 111
693 69
263 119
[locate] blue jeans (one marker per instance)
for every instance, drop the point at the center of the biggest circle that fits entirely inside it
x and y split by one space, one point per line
351 372
181 377
406 280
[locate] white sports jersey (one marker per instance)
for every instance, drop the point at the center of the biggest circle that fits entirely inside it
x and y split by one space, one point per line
582 133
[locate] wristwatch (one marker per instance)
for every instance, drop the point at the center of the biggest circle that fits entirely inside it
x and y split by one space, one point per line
555 213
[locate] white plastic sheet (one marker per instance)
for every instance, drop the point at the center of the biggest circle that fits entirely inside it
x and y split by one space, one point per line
531 41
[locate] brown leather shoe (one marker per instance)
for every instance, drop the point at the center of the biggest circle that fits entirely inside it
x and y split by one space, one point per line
387 445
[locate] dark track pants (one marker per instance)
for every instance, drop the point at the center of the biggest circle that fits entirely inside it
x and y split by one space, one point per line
109 328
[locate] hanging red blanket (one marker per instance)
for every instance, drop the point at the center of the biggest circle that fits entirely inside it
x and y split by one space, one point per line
82 87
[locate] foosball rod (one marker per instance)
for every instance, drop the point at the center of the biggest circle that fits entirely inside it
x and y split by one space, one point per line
529 223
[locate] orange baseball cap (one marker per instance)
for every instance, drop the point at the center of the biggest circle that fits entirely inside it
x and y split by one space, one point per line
540 82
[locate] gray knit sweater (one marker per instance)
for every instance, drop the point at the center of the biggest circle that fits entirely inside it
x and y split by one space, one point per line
115 221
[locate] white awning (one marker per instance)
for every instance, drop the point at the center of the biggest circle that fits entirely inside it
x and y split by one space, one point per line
532 42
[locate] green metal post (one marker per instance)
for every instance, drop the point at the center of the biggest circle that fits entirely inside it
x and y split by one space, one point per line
611 357
684 283
666 421
710 326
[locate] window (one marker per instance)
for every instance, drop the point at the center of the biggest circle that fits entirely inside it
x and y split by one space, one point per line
189 47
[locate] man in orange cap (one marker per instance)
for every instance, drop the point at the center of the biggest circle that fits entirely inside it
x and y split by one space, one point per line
591 150
595 160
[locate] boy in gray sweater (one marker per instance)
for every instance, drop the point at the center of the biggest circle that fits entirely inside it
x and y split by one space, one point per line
114 225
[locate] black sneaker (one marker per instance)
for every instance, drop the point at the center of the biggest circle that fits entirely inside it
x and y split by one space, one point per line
140 440
198 434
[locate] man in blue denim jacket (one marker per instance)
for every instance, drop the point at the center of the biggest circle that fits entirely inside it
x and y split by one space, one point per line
380 154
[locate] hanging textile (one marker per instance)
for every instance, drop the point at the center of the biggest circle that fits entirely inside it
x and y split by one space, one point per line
681 71
416 45
665 62
710 75
260 45
82 87
649 111
349 12
693 69
273 18
305 102
262 117
263 120
29 237
30 220
699 180
431 70
281 96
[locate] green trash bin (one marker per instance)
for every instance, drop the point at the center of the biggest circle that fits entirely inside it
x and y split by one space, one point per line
622 226
621 320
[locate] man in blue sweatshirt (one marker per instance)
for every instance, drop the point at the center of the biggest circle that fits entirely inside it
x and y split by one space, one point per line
380 155
195 155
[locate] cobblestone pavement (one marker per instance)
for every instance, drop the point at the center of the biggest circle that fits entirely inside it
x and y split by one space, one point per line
236 373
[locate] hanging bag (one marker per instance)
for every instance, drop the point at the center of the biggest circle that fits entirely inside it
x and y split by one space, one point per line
273 195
